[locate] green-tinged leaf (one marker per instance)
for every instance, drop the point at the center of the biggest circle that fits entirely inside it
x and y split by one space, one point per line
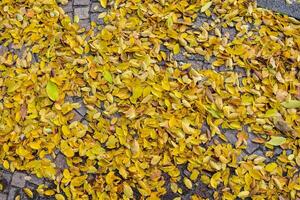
206 6
107 76
276 141
214 113
291 104
271 113
170 21
52 91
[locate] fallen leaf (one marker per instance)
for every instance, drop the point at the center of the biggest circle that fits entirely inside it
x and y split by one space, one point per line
52 91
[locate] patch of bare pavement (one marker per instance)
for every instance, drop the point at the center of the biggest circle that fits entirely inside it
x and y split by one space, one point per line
292 10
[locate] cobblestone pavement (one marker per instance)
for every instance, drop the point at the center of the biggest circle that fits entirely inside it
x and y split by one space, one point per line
292 10
87 11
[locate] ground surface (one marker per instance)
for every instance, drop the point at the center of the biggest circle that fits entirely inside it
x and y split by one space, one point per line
88 11
292 10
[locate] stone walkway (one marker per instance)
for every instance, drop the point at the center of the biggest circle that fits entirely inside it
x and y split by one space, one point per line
292 10
87 11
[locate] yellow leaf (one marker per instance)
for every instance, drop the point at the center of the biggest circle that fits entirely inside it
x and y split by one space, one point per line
243 194
111 142
78 181
271 167
215 180
6 164
185 66
68 151
127 190
123 172
76 19
49 192
155 160
28 192
35 145
66 131
59 197
103 3
136 93
176 49
188 183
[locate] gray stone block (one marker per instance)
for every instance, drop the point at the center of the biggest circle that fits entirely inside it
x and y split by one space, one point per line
35 180
60 161
231 136
5 178
81 2
251 146
77 117
97 8
85 23
281 6
3 196
94 18
3 49
13 192
82 110
18 179
68 7
82 12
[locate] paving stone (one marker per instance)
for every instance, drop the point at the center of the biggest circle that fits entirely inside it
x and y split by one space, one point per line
196 57
241 71
241 156
81 2
71 15
289 152
85 122
164 49
35 58
259 153
231 136
77 117
179 56
35 180
82 110
97 8
69 99
3 196
94 18
60 161
45 198
68 7
251 146
199 21
18 179
3 49
5 178
229 32
199 64
82 12
13 192
277 151
282 7
85 23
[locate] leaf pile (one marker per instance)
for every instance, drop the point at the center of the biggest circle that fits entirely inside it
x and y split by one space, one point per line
145 110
